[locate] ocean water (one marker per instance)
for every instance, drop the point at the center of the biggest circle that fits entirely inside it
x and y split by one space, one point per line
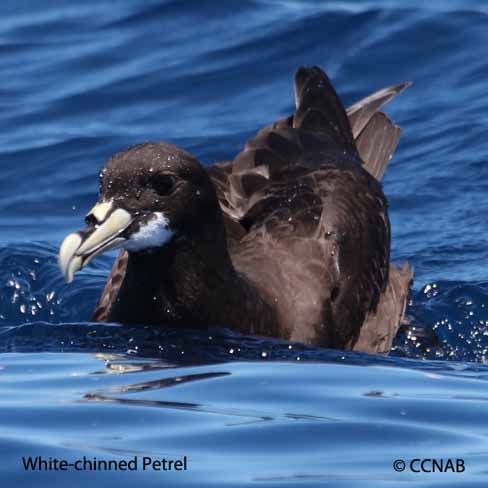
82 80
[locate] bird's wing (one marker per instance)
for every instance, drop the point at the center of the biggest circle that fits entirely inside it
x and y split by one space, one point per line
111 288
325 232
381 326
315 218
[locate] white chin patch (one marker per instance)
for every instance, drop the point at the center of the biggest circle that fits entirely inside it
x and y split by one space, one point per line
154 233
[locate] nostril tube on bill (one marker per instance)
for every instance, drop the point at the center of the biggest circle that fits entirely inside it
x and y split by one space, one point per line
90 219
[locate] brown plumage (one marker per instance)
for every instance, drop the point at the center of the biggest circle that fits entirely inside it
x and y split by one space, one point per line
291 239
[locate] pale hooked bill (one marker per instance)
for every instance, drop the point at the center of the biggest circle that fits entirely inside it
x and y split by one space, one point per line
77 249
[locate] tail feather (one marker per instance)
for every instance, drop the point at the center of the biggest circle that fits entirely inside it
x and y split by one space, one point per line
361 112
377 143
376 136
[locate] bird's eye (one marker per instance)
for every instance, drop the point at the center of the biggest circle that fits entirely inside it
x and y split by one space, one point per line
163 184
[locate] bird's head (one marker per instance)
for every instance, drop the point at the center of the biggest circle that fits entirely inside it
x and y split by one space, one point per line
149 195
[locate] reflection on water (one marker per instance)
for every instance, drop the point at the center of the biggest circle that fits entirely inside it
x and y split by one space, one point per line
251 422
124 367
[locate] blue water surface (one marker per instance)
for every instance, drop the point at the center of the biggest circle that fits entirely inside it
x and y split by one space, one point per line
82 80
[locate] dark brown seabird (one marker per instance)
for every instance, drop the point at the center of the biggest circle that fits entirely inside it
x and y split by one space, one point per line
291 239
